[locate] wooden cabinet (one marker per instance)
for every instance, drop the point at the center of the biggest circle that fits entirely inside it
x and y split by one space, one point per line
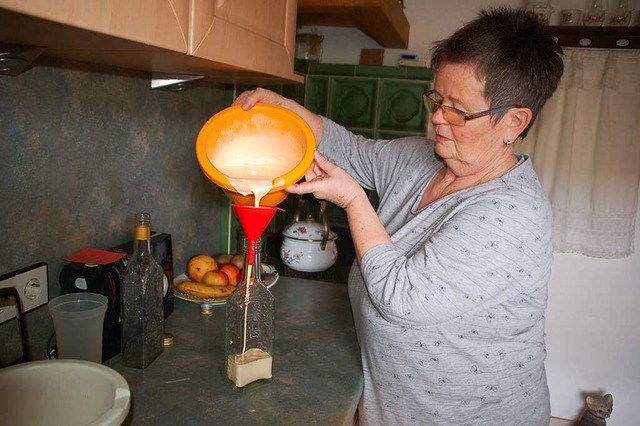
246 34
226 41
382 20
59 24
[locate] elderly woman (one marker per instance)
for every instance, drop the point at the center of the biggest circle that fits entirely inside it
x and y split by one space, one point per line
450 285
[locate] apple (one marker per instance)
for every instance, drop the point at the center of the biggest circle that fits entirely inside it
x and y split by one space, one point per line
234 273
200 265
238 260
216 277
221 259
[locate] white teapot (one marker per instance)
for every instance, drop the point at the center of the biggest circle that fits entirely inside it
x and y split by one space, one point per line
309 246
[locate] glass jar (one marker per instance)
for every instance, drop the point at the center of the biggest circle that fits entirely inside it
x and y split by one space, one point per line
594 16
249 326
542 9
621 15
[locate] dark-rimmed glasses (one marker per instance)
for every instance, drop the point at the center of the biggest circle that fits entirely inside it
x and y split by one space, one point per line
455 116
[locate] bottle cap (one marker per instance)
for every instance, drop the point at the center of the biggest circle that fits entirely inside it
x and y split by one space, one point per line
168 339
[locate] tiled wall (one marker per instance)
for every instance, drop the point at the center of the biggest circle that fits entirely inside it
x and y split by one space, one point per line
82 149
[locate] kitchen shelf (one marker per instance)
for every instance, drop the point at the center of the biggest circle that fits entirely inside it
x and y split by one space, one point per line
597 37
382 20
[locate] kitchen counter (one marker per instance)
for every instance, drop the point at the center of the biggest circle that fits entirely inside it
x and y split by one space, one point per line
317 375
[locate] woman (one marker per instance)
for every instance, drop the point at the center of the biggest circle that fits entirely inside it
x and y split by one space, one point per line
450 285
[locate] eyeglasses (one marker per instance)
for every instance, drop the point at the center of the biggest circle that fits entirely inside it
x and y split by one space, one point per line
454 115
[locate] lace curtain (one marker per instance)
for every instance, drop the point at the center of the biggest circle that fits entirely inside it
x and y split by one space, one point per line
585 146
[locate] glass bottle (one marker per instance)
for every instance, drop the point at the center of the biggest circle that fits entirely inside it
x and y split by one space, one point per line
249 327
141 301
594 16
621 15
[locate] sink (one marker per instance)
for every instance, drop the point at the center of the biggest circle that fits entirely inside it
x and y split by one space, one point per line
63 392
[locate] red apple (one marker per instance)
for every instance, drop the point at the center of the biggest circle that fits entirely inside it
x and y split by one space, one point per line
233 272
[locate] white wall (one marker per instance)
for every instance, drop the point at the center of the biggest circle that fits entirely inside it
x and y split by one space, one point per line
593 333
593 318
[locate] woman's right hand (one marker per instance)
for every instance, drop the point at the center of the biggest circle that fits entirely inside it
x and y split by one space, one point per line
250 97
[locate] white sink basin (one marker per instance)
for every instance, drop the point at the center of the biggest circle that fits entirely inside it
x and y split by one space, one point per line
63 392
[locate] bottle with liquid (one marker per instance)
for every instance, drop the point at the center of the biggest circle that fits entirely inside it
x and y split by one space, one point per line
249 327
141 301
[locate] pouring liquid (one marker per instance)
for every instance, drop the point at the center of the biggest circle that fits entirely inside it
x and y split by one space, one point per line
251 162
251 179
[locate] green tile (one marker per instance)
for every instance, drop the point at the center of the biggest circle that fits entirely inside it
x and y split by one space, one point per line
294 91
416 73
300 66
401 107
331 69
317 94
229 94
352 102
380 71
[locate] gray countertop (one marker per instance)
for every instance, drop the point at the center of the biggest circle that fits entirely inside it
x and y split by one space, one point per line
317 375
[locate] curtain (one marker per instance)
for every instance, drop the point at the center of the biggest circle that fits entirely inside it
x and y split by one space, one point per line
585 147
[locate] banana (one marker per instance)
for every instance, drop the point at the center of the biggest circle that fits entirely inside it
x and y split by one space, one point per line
205 291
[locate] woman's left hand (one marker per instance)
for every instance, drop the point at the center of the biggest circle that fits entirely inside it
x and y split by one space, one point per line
327 181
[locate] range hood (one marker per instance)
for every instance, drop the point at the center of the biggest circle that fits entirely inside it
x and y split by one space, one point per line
382 20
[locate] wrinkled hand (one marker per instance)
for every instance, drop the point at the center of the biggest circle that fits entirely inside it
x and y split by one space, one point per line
327 181
250 97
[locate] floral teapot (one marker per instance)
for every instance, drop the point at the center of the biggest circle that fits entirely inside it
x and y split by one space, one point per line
309 246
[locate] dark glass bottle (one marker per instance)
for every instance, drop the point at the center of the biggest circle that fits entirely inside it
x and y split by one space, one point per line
249 328
141 301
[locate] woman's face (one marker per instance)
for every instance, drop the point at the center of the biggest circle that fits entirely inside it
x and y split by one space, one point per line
479 144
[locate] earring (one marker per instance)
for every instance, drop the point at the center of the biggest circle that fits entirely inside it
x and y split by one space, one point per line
508 142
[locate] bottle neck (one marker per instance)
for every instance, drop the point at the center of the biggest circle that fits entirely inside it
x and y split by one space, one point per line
142 240
252 260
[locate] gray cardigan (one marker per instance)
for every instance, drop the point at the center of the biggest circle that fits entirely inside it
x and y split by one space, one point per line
450 319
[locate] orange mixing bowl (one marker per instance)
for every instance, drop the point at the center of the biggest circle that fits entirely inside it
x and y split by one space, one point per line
291 142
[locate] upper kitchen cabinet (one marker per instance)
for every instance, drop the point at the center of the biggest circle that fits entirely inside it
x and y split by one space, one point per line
78 29
246 35
225 41
382 20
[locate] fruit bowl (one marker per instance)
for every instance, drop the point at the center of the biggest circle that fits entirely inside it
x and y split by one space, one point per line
269 278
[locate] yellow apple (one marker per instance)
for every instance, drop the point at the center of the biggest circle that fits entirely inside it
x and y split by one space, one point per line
217 277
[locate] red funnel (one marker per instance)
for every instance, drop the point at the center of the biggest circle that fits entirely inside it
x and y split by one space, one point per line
254 220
